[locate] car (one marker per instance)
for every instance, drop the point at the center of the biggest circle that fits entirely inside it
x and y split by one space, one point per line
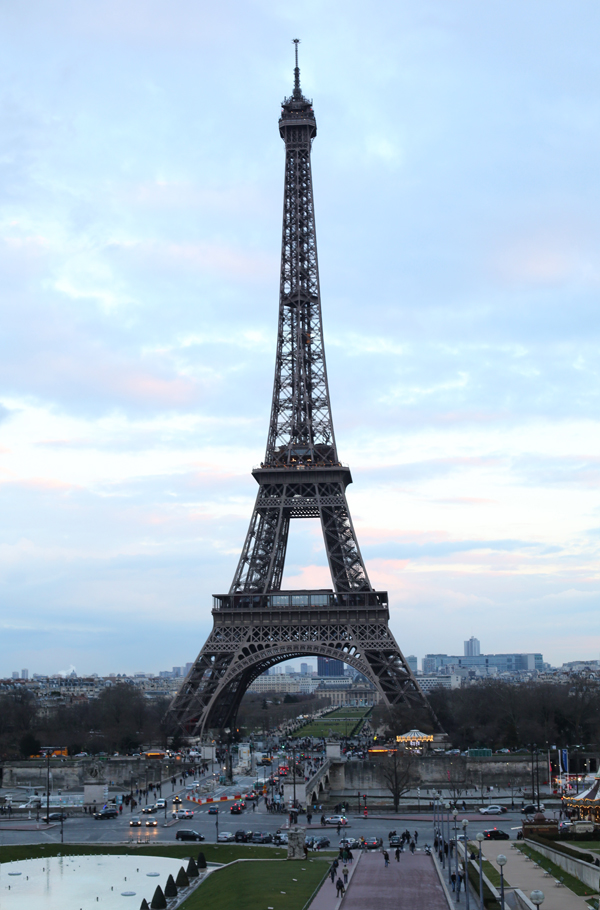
188 834
492 810
352 844
281 839
243 837
336 820
225 837
151 823
81 755
395 841
148 810
373 843
185 813
262 837
564 826
236 809
177 800
160 804
107 812
319 843
135 822
213 810
531 809
55 817
496 834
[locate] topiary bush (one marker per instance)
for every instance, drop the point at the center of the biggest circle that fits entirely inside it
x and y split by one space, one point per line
170 887
158 901
201 860
192 869
182 881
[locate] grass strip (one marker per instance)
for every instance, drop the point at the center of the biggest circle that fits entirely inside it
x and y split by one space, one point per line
489 900
260 885
559 875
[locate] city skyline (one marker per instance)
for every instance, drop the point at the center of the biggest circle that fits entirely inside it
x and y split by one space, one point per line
139 247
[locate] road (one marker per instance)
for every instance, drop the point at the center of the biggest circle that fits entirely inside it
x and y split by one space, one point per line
85 829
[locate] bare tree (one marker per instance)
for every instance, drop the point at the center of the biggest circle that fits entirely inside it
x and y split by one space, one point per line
400 774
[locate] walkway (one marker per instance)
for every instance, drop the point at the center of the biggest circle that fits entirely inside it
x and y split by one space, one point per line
527 876
411 884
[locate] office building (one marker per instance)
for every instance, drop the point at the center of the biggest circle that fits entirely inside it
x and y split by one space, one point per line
472 647
328 666
412 662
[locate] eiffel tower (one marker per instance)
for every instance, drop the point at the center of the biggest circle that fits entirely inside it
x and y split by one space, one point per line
257 625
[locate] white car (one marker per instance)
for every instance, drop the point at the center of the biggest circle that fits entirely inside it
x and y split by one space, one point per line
336 820
225 837
492 810
185 813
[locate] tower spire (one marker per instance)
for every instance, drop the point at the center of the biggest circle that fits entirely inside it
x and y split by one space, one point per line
297 92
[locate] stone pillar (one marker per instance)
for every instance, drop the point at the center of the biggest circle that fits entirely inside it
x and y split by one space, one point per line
333 750
296 838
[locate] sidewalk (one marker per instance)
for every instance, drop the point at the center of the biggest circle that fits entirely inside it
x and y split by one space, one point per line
527 876
411 884
325 898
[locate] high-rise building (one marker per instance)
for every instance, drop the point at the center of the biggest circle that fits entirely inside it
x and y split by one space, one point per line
15 674
328 666
24 674
472 647
412 662
289 668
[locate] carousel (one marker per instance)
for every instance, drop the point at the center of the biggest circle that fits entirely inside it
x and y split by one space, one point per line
585 806
415 741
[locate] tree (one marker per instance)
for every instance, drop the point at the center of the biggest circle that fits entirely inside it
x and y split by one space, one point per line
29 745
400 774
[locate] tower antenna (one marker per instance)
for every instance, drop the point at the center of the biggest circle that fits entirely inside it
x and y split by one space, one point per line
296 42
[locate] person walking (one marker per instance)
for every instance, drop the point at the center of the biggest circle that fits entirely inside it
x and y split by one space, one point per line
453 880
332 873
340 888
416 837
386 857
345 874
397 854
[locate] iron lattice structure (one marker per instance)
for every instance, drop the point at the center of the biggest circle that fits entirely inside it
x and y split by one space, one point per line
257 625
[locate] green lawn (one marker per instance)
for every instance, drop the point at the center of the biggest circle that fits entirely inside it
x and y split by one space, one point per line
341 722
256 886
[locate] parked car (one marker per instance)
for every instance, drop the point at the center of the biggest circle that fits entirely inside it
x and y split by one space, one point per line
531 809
262 837
135 822
493 810
281 839
225 837
151 823
55 817
243 837
496 834
188 834
336 820
107 812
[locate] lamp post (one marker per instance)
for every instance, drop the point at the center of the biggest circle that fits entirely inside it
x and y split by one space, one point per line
454 814
537 897
501 860
447 808
479 837
465 824
418 800
217 824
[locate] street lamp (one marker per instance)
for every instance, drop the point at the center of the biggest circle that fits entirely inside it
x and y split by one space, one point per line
454 814
537 897
418 800
465 824
479 837
447 808
501 860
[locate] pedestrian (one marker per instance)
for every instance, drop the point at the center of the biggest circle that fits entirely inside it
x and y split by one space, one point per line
339 827
397 854
412 847
340 888
416 837
332 873
453 880
350 857
345 874
386 857
322 821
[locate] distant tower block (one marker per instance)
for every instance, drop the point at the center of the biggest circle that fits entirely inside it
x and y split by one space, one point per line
257 625
472 647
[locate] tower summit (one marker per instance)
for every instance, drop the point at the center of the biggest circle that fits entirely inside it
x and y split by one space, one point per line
257 625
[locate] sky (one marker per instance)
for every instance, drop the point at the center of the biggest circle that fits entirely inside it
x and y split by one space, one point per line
456 185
